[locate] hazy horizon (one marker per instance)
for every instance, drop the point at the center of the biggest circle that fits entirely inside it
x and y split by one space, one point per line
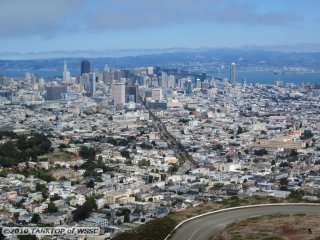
92 53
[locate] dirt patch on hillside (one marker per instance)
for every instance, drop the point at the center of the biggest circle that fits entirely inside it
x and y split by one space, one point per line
274 227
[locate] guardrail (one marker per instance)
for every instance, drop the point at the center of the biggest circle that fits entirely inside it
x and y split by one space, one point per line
235 208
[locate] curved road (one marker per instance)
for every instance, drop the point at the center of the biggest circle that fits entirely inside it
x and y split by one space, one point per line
203 228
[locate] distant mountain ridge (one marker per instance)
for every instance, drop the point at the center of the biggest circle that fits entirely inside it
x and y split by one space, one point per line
174 58
284 48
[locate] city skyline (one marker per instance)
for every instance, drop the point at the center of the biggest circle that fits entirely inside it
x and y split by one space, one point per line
51 26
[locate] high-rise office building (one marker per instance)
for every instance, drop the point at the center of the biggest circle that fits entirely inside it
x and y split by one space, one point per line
171 82
150 70
84 80
131 93
85 66
55 92
118 93
189 87
92 83
124 72
233 73
157 94
164 79
117 74
66 73
106 74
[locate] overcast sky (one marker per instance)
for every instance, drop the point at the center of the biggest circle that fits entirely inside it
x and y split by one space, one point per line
67 25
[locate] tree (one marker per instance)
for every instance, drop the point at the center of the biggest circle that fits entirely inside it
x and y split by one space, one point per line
293 152
126 217
22 142
296 194
43 189
217 147
84 211
144 162
173 168
284 164
62 146
52 207
39 144
100 160
90 184
122 212
20 203
273 162
55 197
260 152
307 134
35 218
87 153
128 162
240 130
125 153
63 178
283 188
145 146
25 148
284 181
3 173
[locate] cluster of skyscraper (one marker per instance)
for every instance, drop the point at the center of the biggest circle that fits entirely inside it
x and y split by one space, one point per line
124 86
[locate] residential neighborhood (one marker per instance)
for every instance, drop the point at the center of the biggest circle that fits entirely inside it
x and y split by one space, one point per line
147 142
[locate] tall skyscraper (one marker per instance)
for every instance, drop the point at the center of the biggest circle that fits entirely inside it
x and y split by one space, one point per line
84 80
85 66
233 73
150 70
171 81
157 94
106 74
164 79
92 83
116 74
66 73
189 87
118 93
131 93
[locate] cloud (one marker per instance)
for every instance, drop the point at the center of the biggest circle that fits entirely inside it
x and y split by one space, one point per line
247 15
122 14
35 17
50 17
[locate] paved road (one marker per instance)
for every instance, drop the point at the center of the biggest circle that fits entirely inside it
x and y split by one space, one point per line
207 226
